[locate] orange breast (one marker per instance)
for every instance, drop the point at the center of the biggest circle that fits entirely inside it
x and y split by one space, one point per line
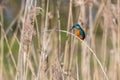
77 33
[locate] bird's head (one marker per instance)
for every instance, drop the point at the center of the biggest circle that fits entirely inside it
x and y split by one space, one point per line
76 26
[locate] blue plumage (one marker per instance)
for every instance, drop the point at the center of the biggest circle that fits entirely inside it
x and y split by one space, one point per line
81 32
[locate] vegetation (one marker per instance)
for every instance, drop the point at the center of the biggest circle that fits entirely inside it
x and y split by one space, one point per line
36 44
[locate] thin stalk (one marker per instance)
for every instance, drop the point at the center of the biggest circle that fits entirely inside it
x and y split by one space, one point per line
9 48
1 55
118 18
94 54
90 50
59 34
66 55
77 68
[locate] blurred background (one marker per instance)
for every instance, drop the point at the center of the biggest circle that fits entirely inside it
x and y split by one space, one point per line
35 43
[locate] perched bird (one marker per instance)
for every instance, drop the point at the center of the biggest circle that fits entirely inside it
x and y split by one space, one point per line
78 31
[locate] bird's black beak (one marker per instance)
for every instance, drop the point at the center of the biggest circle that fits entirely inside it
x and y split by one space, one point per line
71 28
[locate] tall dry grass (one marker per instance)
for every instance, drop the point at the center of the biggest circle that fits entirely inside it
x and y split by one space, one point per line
37 44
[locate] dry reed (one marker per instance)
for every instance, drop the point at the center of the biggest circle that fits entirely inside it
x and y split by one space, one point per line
36 45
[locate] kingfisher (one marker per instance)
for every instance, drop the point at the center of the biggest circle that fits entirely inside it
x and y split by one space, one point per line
79 32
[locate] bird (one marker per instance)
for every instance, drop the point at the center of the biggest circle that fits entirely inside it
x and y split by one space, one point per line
79 32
